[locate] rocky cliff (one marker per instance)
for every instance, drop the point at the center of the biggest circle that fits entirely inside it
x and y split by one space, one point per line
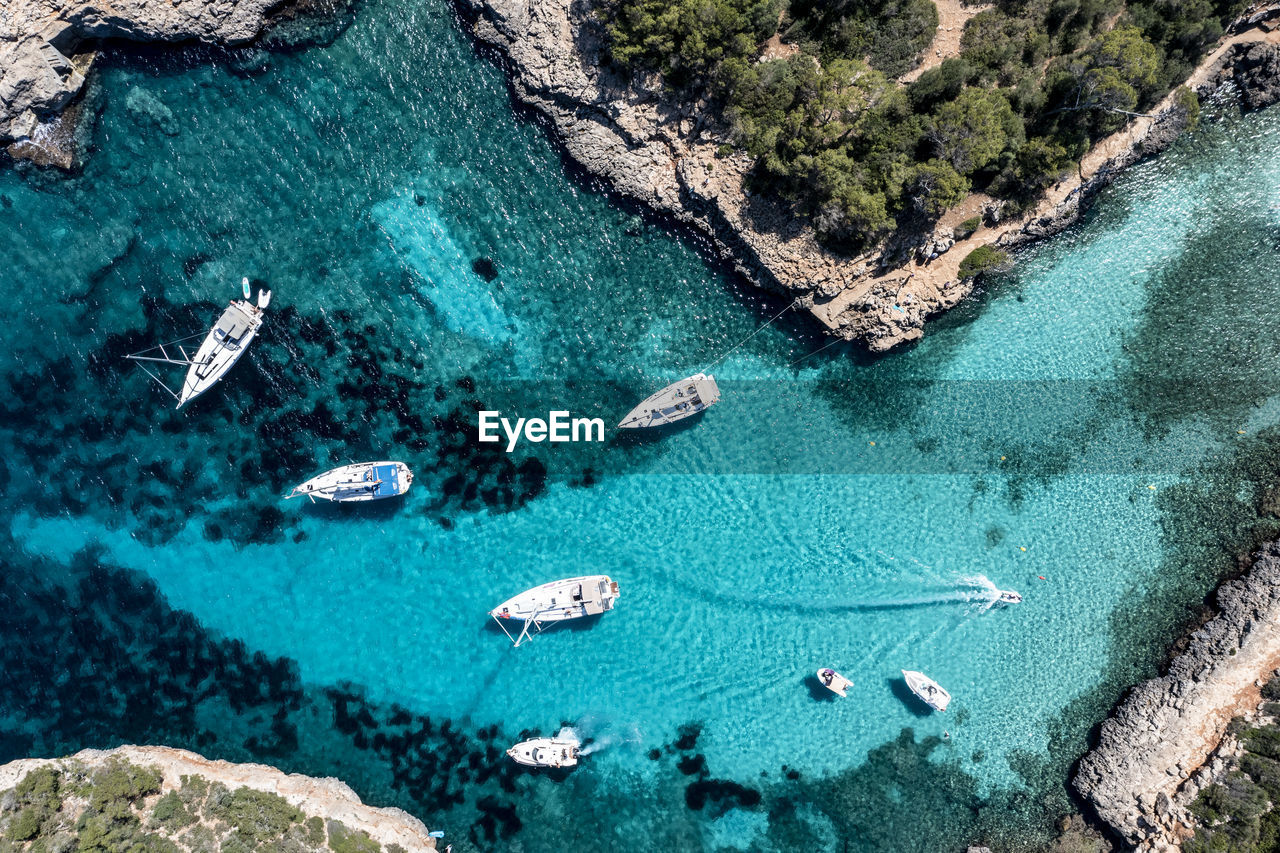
1157 749
195 811
42 68
662 154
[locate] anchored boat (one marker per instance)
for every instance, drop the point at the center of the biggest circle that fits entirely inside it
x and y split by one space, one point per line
221 349
929 691
677 401
557 601
545 752
835 682
361 481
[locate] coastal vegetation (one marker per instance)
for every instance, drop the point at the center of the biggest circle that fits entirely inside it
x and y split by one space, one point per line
120 808
1241 813
810 90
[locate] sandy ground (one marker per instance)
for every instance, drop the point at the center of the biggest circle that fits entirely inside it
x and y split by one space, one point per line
952 16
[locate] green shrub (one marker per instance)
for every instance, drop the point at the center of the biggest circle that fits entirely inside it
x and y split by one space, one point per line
193 790
314 831
40 786
255 815
26 823
966 228
343 839
170 814
982 260
115 786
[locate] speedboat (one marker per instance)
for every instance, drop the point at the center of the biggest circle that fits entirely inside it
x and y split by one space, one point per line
221 349
545 752
557 601
677 401
361 481
834 681
1008 596
929 691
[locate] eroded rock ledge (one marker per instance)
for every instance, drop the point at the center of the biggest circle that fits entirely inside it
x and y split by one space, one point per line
1157 749
328 799
660 153
42 65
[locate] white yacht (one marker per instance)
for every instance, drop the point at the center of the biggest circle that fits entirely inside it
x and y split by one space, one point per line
545 752
220 350
557 601
929 691
834 681
677 401
1008 596
361 481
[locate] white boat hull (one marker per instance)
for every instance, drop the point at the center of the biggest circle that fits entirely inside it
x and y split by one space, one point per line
545 752
834 681
677 401
361 481
927 690
221 349
559 601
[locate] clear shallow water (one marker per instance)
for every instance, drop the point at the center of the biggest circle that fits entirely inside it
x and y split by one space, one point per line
1081 423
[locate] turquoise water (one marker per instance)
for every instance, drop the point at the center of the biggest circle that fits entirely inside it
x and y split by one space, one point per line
1094 432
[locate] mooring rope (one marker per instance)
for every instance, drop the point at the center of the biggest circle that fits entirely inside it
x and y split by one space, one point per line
728 352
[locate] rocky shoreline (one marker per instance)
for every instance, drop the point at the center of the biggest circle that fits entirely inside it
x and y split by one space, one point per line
662 155
1167 740
47 48
329 799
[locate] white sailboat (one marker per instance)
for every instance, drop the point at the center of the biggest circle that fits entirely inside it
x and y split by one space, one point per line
677 401
545 752
360 481
219 351
557 601
834 681
929 691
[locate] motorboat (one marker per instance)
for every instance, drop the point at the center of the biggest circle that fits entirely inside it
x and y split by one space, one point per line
929 691
545 752
1008 596
361 481
677 401
221 348
557 601
834 681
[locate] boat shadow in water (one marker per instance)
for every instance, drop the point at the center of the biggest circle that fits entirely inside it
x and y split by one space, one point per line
382 510
650 435
582 623
818 691
904 695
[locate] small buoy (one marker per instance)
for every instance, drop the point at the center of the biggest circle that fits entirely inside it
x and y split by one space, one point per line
1001 458
1042 577
1152 488
1239 432
1021 548
873 444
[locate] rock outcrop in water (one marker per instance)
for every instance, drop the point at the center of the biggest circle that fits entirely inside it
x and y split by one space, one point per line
1157 750
189 800
663 154
42 69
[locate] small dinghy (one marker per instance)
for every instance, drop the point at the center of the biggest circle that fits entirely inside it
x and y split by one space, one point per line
545 752
677 401
929 691
362 481
1008 596
557 601
834 681
221 349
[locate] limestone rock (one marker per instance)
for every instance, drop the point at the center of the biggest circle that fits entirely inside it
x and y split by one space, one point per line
1154 739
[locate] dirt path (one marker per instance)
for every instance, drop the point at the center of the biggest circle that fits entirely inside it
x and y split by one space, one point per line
919 283
952 16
